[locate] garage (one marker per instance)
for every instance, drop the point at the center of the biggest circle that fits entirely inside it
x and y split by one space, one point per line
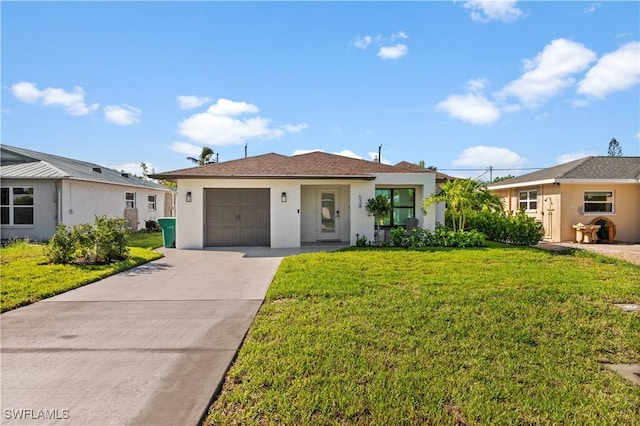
237 217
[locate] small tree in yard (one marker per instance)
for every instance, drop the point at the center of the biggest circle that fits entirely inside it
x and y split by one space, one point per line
463 196
378 207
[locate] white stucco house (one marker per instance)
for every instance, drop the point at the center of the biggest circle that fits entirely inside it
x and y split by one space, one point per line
42 190
286 201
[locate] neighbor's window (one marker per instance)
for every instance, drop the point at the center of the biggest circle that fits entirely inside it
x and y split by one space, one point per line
130 198
528 200
598 202
403 205
16 206
151 202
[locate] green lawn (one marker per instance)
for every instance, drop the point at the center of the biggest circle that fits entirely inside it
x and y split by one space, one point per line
27 277
499 335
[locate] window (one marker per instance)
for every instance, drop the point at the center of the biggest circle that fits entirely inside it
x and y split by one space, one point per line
403 205
151 202
130 200
16 206
598 202
528 200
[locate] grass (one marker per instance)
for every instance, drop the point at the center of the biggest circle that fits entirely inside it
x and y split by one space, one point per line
499 335
27 276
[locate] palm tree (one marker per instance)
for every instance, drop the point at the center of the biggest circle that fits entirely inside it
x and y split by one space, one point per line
462 196
206 157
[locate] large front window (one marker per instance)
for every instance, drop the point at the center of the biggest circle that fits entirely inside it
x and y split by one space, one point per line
598 202
16 206
403 205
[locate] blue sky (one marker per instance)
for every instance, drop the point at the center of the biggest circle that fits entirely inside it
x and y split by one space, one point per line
460 85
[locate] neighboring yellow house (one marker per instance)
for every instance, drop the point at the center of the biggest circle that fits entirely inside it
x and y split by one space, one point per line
592 189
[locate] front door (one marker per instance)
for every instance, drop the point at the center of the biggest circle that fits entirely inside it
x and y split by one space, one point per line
328 214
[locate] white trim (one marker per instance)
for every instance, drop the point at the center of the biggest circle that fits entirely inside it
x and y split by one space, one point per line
523 184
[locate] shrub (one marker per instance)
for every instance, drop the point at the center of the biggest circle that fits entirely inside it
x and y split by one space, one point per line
111 239
61 247
102 242
442 237
516 229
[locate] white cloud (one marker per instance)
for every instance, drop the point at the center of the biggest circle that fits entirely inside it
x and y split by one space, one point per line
219 125
363 42
393 52
399 36
565 158
73 102
550 72
592 7
388 48
186 148
472 108
615 71
484 156
124 115
638 135
490 10
190 102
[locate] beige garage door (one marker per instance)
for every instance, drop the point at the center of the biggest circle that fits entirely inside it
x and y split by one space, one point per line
237 217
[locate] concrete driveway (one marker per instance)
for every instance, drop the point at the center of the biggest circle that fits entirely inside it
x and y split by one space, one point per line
149 346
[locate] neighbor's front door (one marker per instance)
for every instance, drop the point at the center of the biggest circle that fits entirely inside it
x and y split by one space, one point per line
328 214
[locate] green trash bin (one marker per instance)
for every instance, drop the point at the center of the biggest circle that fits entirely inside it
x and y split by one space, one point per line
168 225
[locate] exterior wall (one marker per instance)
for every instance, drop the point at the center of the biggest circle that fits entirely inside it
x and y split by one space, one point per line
82 201
626 205
548 211
44 211
562 206
285 217
75 202
295 220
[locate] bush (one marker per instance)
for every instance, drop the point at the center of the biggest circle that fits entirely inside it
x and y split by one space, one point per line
442 237
102 242
515 229
61 247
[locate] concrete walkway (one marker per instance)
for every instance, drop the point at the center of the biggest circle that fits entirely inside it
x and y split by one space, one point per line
149 346
625 251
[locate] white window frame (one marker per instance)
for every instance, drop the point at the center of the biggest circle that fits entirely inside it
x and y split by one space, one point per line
612 202
11 206
151 205
129 203
528 200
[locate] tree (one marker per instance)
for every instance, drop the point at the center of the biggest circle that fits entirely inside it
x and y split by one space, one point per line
463 196
206 157
501 178
614 148
378 207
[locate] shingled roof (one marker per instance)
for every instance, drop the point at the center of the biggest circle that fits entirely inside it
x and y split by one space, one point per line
21 163
313 165
588 169
440 177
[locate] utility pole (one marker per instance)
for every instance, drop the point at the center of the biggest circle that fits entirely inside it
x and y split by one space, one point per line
490 174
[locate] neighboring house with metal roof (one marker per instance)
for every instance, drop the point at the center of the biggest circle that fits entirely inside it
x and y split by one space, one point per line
42 190
591 189
285 201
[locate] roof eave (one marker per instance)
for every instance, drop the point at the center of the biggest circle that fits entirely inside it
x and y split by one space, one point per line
173 178
527 183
